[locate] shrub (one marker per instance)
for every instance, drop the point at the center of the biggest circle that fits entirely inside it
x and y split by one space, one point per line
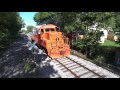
27 67
100 59
110 37
88 44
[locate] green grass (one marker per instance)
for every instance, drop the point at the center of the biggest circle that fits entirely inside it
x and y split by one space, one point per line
109 43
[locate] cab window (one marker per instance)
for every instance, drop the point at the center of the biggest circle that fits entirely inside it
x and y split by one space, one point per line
42 30
52 30
47 30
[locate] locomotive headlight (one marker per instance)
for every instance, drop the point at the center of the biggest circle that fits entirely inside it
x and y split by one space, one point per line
62 52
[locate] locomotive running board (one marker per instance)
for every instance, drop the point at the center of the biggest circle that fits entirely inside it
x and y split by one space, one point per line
32 45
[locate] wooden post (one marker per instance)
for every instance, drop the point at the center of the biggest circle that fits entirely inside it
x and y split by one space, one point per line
117 57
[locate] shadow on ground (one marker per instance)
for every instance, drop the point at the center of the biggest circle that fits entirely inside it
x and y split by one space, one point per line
18 62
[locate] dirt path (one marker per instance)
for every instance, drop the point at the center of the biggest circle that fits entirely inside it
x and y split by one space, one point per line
18 62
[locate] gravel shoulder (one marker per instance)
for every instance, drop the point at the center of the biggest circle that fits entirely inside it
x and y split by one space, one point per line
18 62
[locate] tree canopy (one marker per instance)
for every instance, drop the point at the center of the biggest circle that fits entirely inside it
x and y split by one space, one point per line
71 21
29 28
10 24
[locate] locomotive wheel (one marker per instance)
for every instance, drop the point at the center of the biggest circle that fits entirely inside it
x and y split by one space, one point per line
32 41
45 51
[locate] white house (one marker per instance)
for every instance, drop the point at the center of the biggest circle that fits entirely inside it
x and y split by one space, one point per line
105 32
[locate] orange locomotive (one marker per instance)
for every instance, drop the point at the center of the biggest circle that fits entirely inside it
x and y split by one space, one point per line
52 41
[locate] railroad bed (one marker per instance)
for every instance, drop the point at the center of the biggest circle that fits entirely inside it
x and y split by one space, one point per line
75 67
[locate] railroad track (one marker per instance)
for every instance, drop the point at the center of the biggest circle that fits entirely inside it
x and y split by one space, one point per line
74 69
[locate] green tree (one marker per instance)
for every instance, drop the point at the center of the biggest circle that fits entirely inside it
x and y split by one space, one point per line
117 28
117 18
10 24
40 17
29 28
